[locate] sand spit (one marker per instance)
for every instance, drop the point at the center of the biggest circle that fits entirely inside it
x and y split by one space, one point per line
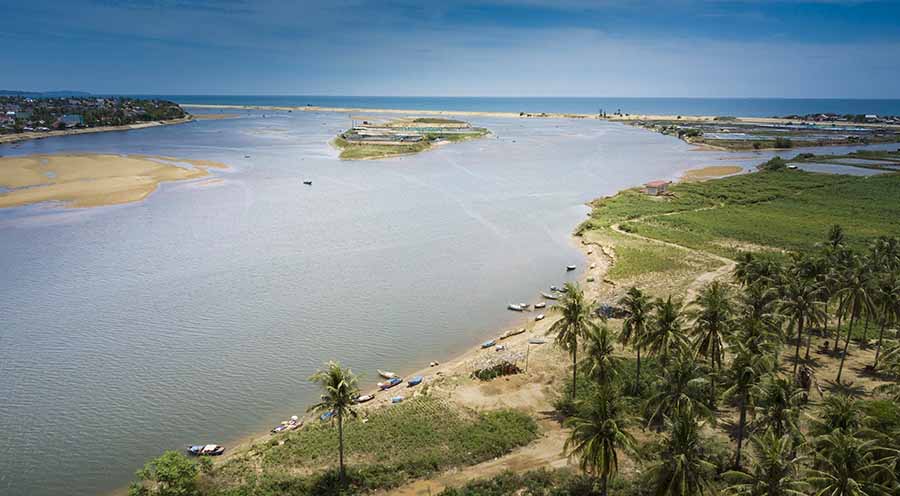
711 172
92 180
14 138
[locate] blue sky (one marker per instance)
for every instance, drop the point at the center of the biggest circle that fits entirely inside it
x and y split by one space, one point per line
766 48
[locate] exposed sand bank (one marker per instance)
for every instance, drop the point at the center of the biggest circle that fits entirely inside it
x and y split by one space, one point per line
91 180
711 172
213 117
13 138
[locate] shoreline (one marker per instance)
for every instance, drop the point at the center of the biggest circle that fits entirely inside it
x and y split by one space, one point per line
36 135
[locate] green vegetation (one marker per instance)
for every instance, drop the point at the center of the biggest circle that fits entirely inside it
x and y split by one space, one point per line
83 112
436 120
399 443
353 150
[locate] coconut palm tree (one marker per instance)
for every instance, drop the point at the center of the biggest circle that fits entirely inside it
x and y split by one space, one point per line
575 315
682 386
684 467
634 326
665 337
747 368
744 269
602 363
848 465
839 412
801 304
777 404
713 324
887 299
598 436
339 387
775 469
856 295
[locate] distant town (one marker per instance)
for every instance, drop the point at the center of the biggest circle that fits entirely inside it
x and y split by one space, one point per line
20 114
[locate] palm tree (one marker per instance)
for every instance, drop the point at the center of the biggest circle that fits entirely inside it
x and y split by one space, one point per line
846 465
602 364
839 412
747 368
744 269
775 470
339 388
887 299
777 403
713 324
665 337
576 316
800 302
856 296
599 435
684 468
835 238
682 386
635 325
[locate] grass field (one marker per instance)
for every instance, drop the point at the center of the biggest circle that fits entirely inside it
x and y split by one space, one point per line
396 444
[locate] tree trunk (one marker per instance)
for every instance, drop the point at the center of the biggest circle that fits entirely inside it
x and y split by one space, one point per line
637 385
837 332
574 369
341 446
880 337
712 383
799 339
846 347
740 439
866 329
604 480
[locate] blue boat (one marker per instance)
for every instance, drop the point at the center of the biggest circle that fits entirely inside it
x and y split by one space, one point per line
389 383
396 399
415 381
326 416
488 344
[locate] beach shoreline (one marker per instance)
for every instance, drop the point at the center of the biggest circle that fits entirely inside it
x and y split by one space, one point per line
35 135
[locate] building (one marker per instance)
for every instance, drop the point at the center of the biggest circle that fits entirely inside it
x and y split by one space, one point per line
656 188
71 120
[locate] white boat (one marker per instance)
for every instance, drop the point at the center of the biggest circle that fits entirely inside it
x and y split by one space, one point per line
514 307
570 267
549 296
386 374
540 305
365 398
539 317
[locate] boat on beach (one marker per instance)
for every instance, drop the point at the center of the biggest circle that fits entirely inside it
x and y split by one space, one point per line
549 296
512 332
389 383
415 381
556 288
206 450
539 317
326 416
364 398
540 304
488 344
386 374
288 425
515 307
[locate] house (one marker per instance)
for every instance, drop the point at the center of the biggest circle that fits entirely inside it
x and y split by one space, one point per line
656 188
71 120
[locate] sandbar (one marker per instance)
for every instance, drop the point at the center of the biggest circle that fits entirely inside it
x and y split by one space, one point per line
91 180
710 172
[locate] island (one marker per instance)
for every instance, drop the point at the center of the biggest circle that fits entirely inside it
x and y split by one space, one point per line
373 138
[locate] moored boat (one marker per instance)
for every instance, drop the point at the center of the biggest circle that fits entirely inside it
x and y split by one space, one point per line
515 307
386 374
488 344
396 399
206 450
540 304
570 267
415 381
308 183
326 416
549 296
389 383
364 398
539 317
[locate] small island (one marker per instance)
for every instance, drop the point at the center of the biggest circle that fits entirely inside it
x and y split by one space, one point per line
372 139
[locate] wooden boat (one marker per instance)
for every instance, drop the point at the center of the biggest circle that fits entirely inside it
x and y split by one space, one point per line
488 344
206 450
389 383
415 381
570 267
510 333
364 398
386 374
550 296
539 317
540 305
515 307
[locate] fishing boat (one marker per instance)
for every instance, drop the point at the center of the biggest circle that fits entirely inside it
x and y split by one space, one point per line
415 381
537 341
488 344
295 423
540 304
326 416
279 428
308 183
386 374
365 398
515 307
550 296
206 450
570 267
287 425
389 383
539 317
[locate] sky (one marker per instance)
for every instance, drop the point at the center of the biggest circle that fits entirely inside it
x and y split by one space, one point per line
545 48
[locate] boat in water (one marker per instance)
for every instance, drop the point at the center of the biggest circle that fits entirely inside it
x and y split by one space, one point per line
386 374
570 267
540 304
415 381
308 183
389 383
206 450
515 307
556 288
549 296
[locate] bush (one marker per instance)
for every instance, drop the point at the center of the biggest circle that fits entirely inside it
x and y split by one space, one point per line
783 143
774 164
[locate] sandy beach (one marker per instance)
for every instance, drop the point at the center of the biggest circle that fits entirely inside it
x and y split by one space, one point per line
17 137
91 180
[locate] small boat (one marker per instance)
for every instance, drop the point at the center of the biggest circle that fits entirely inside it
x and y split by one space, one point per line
499 347
515 307
326 416
294 423
386 374
280 428
389 383
308 183
206 450
792 167
510 333
415 381
524 306
539 317
536 341
540 305
488 344
364 398
570 267
550 296
433 364
556 288
396 399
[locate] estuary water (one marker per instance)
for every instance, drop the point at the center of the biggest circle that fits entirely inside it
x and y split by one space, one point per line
197 315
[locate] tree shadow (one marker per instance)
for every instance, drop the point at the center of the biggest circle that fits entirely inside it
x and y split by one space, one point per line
845 388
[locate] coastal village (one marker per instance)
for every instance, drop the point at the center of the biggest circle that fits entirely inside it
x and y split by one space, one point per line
25 114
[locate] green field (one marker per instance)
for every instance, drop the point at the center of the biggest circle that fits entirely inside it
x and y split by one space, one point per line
768 211
396 444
